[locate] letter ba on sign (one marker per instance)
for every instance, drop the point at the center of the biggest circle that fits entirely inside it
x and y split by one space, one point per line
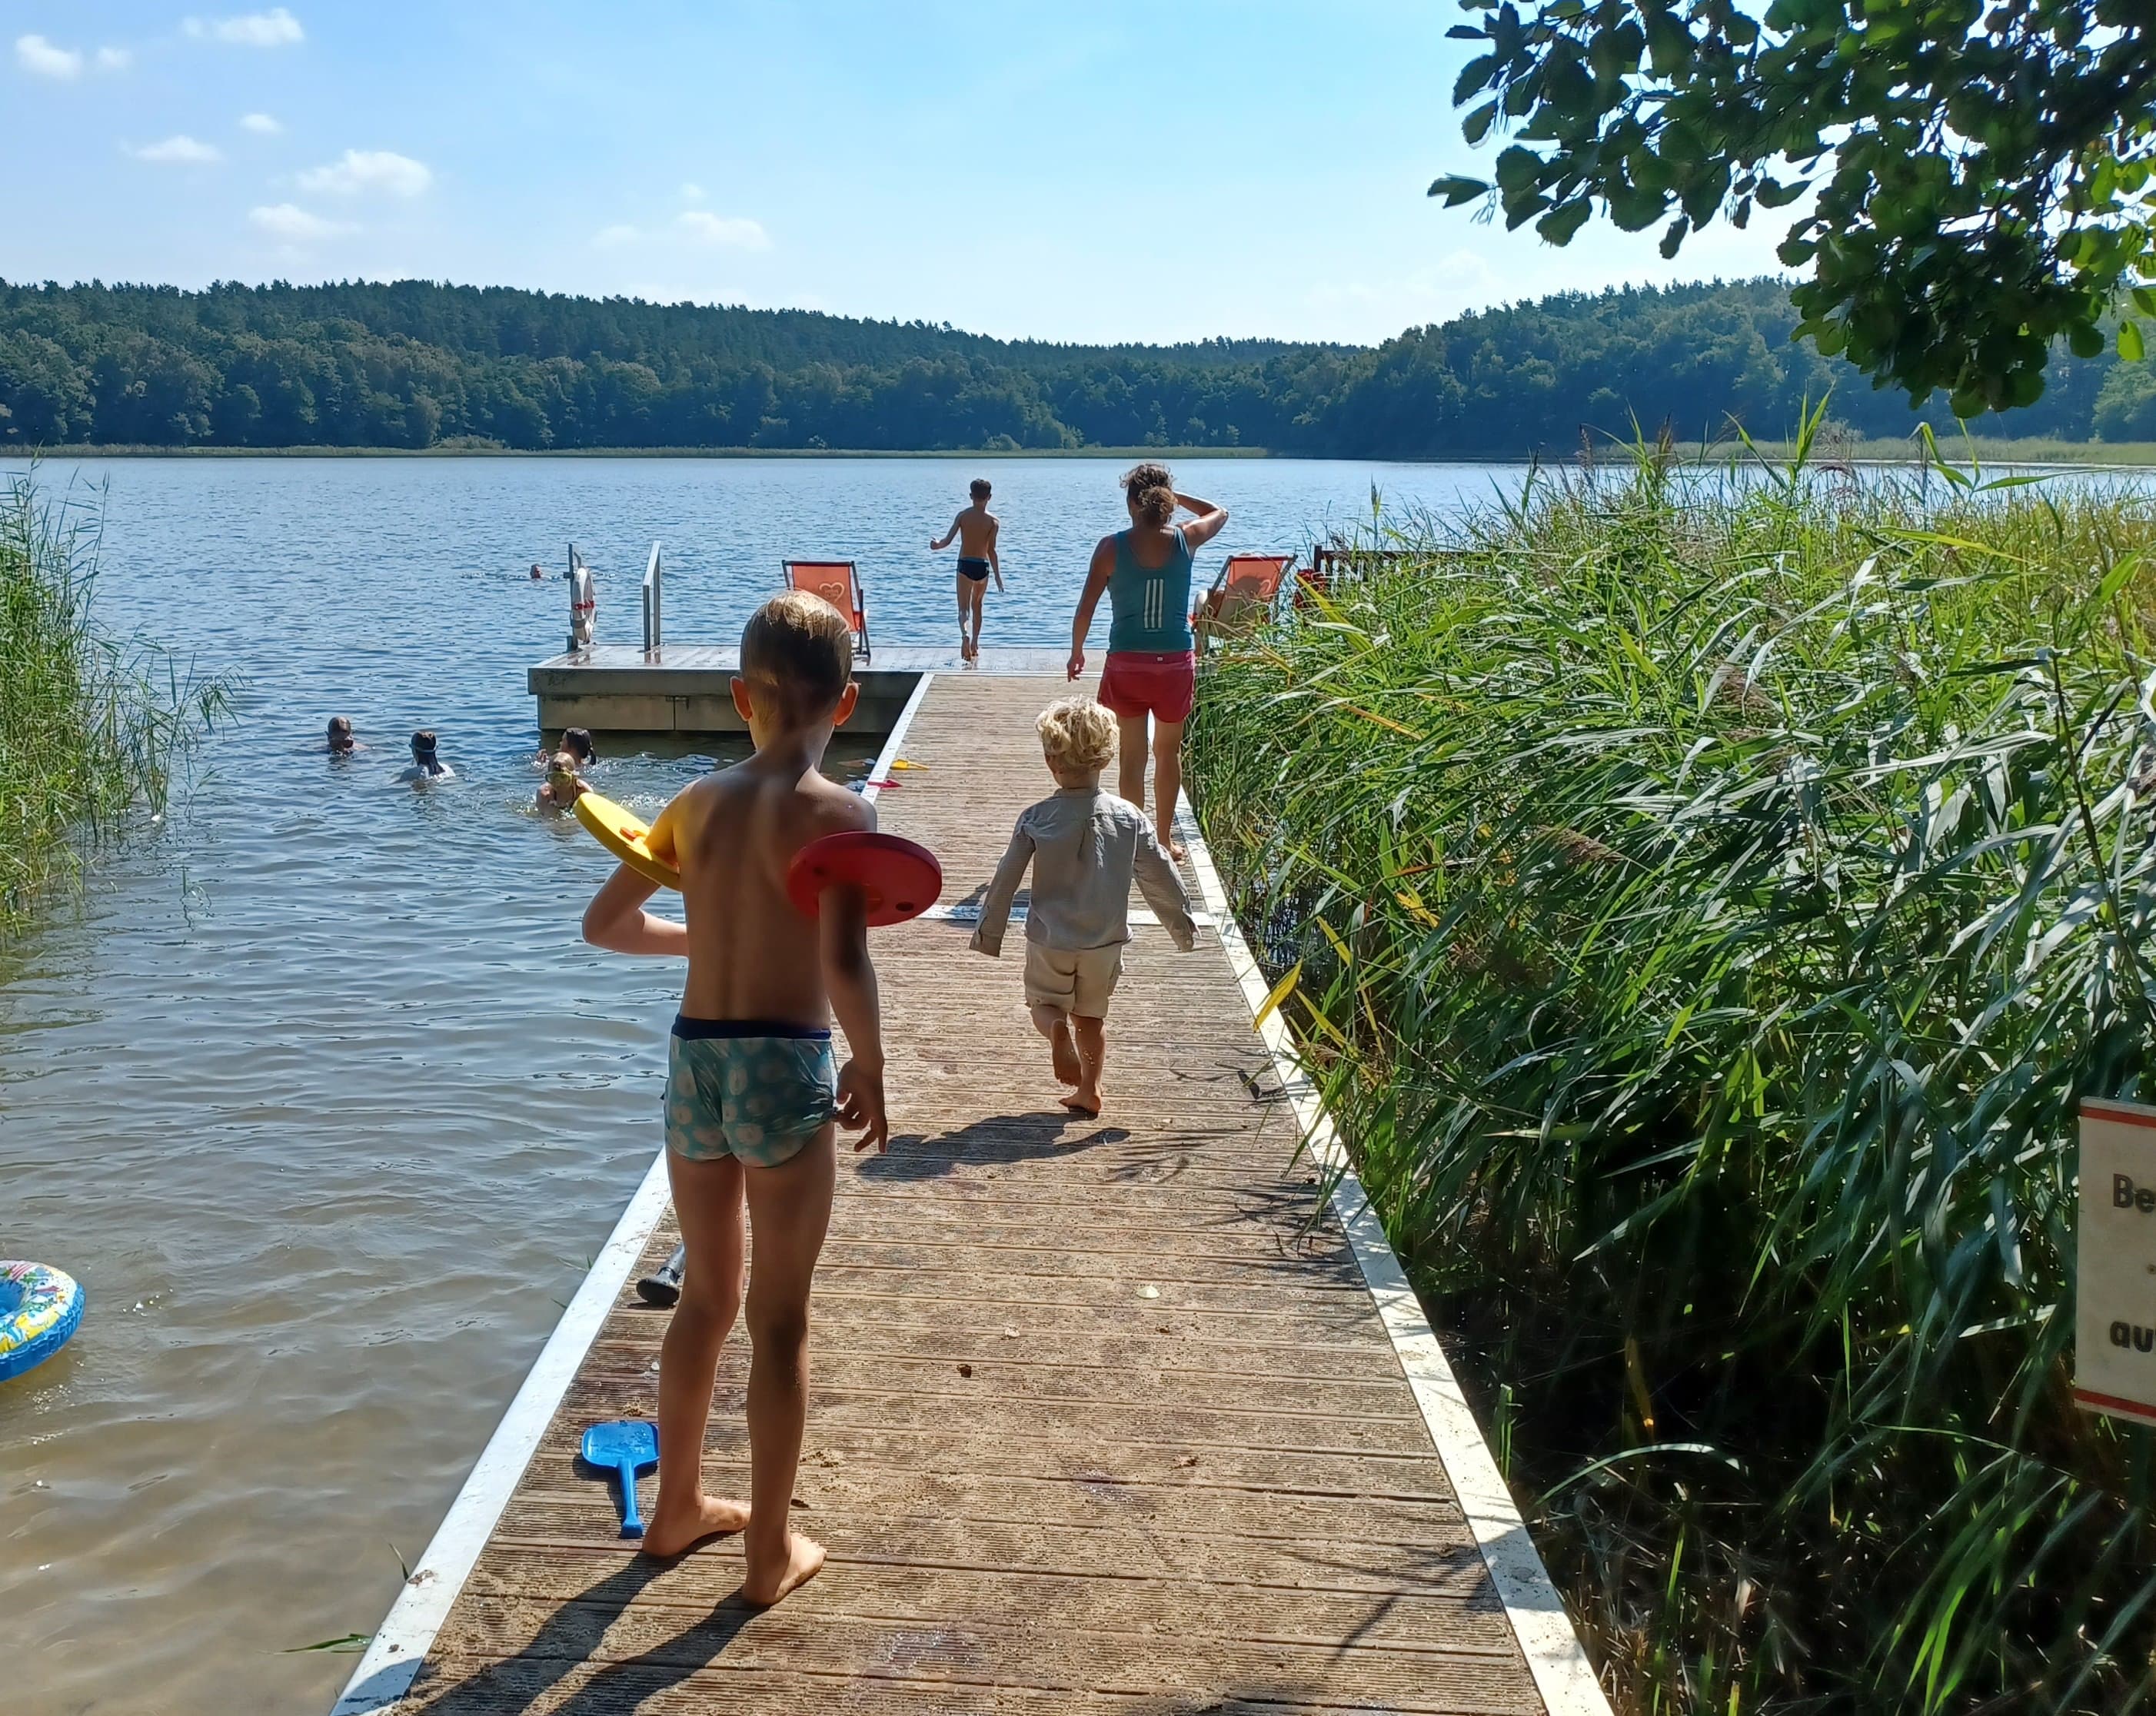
2115 1331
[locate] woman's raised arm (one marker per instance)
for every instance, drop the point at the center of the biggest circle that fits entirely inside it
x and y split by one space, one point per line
1211 520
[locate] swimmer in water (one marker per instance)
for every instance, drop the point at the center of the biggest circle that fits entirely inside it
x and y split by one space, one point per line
426 766
341 741
537 573
564 786
577 742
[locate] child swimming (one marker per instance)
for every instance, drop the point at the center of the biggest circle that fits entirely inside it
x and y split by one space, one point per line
1084 846
752 1099
426 764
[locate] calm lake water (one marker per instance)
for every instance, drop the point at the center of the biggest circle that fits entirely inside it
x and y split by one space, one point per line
317 1091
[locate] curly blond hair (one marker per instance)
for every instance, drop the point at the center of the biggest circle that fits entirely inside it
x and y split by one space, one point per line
1077 735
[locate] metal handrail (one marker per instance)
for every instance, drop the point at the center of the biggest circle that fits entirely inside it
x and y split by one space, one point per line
654 603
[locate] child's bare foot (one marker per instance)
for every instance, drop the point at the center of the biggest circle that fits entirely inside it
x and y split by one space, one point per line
670 1534
1064 1054
1172 845
804 1558
1085 1101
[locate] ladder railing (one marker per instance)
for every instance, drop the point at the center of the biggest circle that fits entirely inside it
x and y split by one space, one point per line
654 616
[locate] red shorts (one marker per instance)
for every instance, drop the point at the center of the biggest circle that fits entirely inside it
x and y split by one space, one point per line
1141 682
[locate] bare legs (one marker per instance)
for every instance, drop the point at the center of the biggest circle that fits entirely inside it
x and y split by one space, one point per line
971 590
1092 1052
1078 1046
790 1208
1055 1024
707 1200
1167 747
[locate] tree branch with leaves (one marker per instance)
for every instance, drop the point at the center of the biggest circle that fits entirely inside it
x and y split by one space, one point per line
1979 178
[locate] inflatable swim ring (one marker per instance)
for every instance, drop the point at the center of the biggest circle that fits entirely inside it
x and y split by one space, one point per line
39 1307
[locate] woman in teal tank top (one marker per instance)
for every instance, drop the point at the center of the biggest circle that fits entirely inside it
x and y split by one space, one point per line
1152 670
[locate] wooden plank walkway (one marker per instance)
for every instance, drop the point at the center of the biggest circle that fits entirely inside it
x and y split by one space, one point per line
1103 1417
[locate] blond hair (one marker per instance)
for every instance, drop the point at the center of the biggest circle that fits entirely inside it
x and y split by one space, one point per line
797 651
1077 735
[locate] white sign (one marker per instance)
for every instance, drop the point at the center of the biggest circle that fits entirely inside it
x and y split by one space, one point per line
2115 1333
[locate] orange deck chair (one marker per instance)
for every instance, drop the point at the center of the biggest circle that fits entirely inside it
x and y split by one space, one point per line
838 582
1246 589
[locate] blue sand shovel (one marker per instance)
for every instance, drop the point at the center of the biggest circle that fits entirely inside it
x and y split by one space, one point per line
627 1445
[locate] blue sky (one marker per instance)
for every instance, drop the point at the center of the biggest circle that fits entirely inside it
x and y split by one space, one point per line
1081 171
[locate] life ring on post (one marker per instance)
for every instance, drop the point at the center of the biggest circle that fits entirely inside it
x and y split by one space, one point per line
39 1308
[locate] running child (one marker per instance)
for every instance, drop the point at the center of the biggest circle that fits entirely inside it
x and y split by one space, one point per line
1084 846
751 1093
974 530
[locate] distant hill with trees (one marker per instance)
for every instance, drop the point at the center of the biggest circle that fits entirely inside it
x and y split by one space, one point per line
415 365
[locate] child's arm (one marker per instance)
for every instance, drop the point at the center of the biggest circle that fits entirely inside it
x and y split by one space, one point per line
995 561
996 903
843 934
950 536
1161 884
1096 584
617 921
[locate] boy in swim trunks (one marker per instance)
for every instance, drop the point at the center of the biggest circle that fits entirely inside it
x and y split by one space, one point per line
974 529
751 1091
1084 846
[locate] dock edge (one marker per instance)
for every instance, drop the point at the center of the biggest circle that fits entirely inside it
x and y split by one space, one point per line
1555 1657
398 1649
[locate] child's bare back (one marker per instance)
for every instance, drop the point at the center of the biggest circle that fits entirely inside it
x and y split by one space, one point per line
751 956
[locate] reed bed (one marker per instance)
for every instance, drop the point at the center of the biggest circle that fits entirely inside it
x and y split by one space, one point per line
1704 898
90 727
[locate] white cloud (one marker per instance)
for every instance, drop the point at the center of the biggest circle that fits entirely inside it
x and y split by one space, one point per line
274 28
261 124
611 235
692 192
181 150
114 59
363 169
737 231
294 225
35 54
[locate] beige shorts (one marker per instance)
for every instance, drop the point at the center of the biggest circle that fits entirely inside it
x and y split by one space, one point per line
1077 981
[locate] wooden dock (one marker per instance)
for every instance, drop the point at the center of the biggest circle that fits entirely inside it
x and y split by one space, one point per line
1106 1415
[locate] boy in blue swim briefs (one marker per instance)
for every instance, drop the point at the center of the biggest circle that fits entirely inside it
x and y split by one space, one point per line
752 1096
975 531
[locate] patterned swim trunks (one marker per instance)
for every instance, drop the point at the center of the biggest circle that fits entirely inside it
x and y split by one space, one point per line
755 1089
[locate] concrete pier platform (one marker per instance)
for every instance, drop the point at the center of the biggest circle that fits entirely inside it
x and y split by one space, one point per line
682 687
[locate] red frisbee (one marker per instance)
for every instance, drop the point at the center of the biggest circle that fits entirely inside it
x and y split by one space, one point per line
901 879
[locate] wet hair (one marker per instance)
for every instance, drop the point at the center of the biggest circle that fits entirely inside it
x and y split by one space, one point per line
577 742
1077 735
980 489
797 652
1152 491
340 728
422 742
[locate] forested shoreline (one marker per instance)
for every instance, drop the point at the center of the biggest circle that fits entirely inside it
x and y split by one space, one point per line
414 365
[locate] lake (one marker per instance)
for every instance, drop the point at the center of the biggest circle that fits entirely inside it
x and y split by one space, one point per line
316 1089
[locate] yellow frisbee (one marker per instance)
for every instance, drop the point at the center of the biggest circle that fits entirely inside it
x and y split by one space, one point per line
624 835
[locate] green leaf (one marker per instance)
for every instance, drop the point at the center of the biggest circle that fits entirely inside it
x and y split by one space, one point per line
2129 342
1477 125
1474 77
2085 340
2144 300
1457 190
1561 222
1673 240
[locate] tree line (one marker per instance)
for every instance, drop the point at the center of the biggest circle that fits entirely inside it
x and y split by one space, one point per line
415 365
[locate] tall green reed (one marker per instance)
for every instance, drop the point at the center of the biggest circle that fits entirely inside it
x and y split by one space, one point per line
1708 897
90 727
